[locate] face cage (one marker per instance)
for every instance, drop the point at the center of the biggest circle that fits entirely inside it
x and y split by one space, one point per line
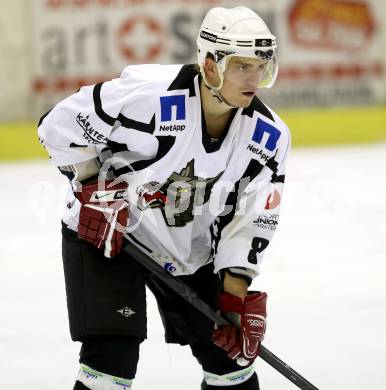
269 75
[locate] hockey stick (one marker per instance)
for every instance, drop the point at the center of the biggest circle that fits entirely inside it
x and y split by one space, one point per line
190 296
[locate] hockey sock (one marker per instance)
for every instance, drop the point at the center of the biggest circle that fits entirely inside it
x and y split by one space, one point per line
95 380
230 381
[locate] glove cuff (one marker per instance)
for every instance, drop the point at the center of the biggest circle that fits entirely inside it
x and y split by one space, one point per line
256 302
230 303
106 193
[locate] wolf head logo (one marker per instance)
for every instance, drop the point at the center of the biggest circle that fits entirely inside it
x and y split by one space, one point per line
178 195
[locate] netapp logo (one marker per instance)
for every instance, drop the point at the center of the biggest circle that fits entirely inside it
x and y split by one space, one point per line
258 152
172 128
208 36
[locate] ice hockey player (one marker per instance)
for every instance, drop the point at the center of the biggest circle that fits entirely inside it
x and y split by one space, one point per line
186 163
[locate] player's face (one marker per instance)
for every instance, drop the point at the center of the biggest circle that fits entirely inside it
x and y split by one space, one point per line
241 80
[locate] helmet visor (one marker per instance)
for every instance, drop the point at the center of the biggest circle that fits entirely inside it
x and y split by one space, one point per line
269 73
250 73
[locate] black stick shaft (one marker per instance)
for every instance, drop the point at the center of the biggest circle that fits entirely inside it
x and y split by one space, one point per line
190 296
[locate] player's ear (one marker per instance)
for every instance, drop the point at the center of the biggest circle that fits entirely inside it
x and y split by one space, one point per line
210 67
211 71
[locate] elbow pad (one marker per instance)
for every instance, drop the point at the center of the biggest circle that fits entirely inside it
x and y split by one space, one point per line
81 171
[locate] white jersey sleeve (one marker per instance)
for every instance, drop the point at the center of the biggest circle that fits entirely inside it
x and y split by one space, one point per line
82 124
241 236
71 131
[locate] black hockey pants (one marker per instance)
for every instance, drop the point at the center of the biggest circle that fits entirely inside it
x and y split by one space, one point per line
100 291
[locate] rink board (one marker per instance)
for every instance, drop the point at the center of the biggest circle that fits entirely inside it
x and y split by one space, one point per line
308 128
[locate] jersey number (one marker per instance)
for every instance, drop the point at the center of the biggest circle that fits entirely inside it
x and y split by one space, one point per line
258 245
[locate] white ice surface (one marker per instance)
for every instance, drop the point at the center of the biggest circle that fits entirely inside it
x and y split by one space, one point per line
325 274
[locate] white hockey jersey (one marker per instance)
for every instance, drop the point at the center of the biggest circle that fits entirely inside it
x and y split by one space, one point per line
192 199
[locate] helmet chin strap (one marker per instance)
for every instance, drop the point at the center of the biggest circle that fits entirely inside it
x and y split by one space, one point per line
216 90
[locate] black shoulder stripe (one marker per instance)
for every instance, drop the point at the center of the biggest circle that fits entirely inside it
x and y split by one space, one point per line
74 145
42 118
140 126
259 106
272 164
233 199
117 147
184 79
125 122
277 179
98 106
165 143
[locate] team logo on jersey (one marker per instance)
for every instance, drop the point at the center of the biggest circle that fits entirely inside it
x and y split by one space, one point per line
270 134
172 108
267 221
177 196
91 135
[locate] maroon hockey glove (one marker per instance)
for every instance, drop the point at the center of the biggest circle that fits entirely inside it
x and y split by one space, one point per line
242 342
103 215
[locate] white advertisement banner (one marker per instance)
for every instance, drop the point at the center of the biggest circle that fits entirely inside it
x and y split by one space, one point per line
330 50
